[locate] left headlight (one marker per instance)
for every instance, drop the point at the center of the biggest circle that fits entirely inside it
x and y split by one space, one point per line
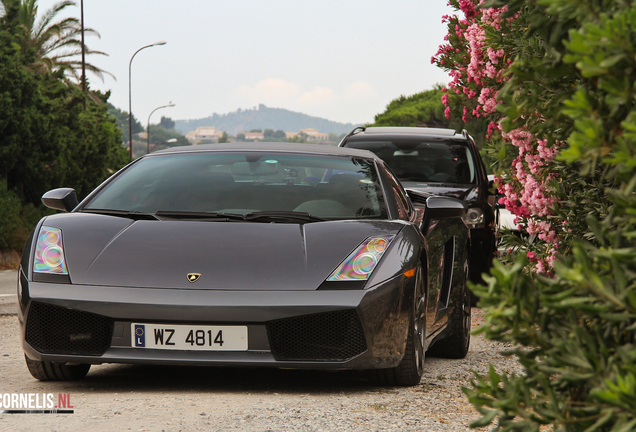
361 262
49 252
474 218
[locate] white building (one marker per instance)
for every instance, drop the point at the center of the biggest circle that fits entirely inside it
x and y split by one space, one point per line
204 133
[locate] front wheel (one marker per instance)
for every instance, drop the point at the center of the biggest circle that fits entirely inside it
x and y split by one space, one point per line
50 371
410 370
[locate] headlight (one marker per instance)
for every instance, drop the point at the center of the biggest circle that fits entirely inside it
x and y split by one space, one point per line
361 262
474 218
49 252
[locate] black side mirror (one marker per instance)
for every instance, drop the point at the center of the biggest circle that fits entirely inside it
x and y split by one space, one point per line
438 208
64 199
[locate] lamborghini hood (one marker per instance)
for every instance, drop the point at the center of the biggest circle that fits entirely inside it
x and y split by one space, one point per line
114 251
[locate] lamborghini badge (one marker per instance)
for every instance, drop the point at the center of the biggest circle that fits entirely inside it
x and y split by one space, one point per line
193 277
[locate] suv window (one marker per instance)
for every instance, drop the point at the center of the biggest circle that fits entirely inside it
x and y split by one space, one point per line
417 159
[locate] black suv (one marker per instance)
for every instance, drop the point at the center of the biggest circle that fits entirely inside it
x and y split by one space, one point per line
439 162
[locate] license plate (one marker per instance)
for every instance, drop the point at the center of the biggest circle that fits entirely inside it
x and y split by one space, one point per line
188 337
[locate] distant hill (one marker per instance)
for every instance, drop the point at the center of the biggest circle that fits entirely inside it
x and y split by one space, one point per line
263 118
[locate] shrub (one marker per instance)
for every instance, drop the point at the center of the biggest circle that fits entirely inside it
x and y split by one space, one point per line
566 99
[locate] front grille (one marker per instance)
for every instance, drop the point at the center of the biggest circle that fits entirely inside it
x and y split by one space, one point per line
57 330
329 336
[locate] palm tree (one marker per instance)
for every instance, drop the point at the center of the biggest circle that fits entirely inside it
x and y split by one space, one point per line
56 44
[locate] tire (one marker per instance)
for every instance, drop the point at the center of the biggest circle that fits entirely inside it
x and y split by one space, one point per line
50 371
411 368
457 344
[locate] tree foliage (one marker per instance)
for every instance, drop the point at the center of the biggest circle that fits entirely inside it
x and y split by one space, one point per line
557 79
425 109
166 123
421 109
121 119
47 139
160 136
57 44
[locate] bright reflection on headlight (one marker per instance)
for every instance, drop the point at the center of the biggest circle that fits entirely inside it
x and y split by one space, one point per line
474 218
49 252
361 262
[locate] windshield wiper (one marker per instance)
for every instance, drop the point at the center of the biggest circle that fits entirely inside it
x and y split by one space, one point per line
273 216
198 215
260 216
133 214
416 179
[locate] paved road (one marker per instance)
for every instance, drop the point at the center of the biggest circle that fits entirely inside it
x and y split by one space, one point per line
8 297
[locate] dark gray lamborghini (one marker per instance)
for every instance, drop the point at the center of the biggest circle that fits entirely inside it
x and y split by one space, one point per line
267 254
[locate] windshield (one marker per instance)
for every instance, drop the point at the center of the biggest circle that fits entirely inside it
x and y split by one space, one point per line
423 161
244 183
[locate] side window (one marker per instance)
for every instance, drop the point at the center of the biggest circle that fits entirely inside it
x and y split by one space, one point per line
404 208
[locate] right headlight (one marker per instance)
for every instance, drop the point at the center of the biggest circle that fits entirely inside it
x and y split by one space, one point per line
474 218
49 252
361 262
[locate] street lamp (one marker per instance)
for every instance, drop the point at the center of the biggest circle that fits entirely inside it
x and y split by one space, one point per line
130 92
148 127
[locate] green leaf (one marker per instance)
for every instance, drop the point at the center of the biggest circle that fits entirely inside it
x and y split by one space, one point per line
485 420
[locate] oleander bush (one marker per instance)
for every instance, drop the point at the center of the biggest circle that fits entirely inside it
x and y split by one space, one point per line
556 80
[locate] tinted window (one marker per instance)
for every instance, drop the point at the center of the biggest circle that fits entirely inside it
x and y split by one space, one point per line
328 187
420 160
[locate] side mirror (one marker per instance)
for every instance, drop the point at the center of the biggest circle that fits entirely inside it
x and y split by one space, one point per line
438 208
64 199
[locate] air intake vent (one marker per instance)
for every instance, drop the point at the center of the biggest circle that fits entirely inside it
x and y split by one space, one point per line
330 336
447 273
57 330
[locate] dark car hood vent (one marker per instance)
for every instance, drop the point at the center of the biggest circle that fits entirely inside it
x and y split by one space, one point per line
112 251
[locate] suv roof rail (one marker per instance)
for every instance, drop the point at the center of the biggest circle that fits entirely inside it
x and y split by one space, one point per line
356 129
353 132
465 133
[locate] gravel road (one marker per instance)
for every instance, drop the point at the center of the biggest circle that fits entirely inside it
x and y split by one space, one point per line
151 398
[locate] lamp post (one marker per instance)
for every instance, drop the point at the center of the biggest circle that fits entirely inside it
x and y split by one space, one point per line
130 93
148 127
83 53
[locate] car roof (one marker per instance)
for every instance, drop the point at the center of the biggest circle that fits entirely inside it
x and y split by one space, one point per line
405 132
410 131
282 147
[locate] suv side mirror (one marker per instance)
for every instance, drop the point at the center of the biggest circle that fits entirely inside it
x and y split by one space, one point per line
64 199
438 208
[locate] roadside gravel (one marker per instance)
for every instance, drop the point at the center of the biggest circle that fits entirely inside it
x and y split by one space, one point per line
152 398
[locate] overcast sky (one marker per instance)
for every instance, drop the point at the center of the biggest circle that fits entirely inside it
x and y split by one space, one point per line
343 60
